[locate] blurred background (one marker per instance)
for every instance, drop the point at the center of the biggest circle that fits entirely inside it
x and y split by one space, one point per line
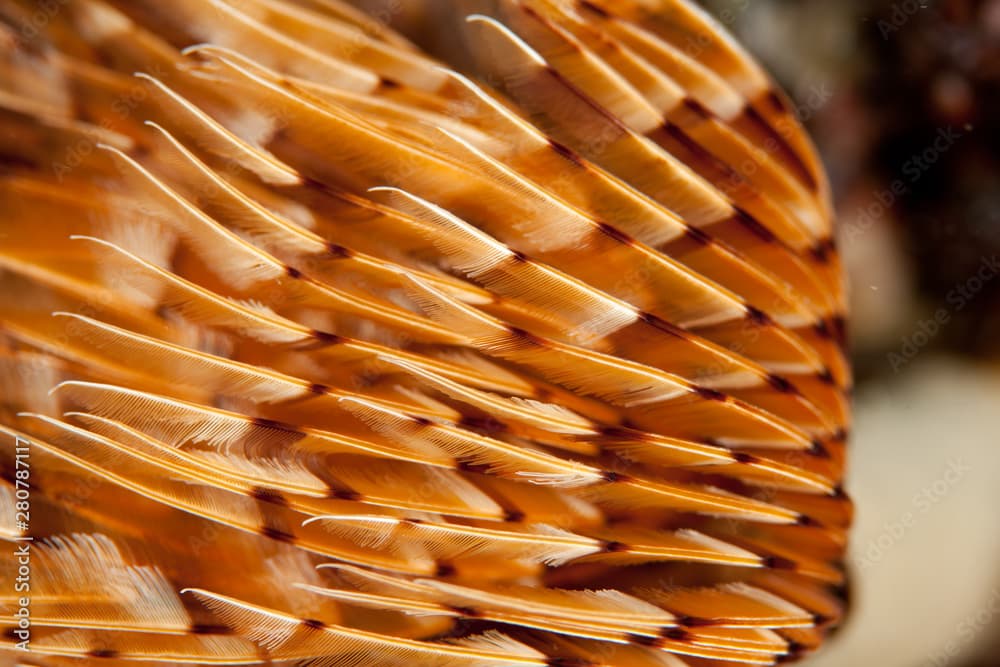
903 99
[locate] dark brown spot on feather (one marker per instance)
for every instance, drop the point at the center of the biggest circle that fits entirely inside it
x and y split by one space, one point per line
514 516
313 624
618 433
614 233
709 394
277 534
566 152
742 457
518 256
344 494
779 563
819 450
388 83
758 316
782 146
107 653
591 7
677 634
265 495
272 424
292 272
337 251
467 612
695 622
644 640
662 325
210 629
326 337
781 384
318 389
525 336
568 662
615 547
697 236
445 570
754 226
697 107
776 101
485 424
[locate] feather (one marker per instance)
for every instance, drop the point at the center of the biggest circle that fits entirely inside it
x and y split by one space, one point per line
554 346
289 638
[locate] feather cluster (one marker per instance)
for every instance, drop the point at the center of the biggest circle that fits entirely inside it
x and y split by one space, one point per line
523 346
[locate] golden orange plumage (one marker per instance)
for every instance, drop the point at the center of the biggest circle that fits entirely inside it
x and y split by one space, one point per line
523 346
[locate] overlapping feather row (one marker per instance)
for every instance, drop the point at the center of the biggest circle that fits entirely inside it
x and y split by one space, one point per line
523 346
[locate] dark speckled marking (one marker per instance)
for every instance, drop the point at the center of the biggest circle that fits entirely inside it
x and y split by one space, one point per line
697 107
662 325
265 495
742 457
210 629
445 570
568 662
326 337
677 634
776 101
107 653
337 251
566 152
779 563
467 612
590 6
485 424
754 226
313 624
272 424
644 640
318 389
615 547
525 336
819 450
277 534
615 233
780 384
292 272
697 236
344 494
802 171
824 250
710 394
758 316
618 433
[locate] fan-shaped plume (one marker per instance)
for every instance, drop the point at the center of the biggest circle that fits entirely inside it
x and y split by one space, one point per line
450 333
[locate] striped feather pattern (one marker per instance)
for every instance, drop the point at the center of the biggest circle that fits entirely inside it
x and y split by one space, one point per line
513 335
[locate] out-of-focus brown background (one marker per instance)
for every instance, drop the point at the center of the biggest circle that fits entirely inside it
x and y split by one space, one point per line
903 98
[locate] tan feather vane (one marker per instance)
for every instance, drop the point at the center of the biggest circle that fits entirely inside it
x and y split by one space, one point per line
511 334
